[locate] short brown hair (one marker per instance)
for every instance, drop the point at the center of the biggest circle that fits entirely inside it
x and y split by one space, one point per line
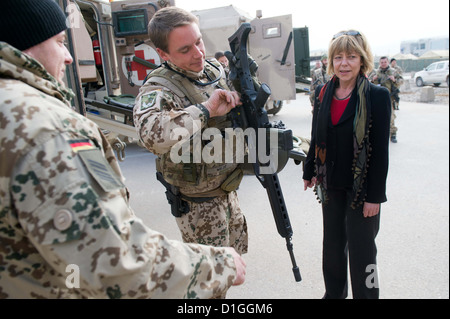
349 44
164 21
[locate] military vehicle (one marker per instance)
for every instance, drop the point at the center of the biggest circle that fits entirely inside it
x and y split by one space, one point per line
113 55
279 50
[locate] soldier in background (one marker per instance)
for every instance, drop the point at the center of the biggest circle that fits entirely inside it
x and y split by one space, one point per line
388 77
319 77
67 230
399 83
395 66
220 56
317 66
189 94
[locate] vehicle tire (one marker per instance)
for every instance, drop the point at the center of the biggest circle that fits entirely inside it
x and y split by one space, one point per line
437 84
419 82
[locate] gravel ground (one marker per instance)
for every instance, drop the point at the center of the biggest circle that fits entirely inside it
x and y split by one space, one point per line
411 93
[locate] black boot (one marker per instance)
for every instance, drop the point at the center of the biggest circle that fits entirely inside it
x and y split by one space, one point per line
394 138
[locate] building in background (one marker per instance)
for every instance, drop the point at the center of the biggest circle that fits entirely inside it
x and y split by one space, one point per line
419 47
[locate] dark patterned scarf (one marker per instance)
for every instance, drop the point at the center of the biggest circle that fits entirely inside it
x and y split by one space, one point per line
361 144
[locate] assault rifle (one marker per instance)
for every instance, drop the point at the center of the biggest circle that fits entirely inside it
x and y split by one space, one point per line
252 114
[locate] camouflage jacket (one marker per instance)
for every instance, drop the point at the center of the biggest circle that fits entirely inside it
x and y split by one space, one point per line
384 80
399 76
318 77
399 70
66 227
162 112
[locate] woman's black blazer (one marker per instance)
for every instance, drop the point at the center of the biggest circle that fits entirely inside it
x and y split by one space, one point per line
340 145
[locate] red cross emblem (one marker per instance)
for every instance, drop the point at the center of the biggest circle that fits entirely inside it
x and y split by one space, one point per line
139 68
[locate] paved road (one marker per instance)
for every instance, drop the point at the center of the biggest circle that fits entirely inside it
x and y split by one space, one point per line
413 244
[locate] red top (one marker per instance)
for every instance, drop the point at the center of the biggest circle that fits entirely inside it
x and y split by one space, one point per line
337 109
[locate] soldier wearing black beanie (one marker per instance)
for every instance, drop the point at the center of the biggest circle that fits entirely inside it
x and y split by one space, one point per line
26 23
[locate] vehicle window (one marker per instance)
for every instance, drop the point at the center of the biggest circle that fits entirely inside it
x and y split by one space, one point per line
431 67
440 66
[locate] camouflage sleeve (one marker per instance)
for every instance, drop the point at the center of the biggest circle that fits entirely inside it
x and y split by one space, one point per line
379 75
314 82
75 211
399 78
159 115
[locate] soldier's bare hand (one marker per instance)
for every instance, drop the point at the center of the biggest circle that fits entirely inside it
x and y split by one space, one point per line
240 268
222 102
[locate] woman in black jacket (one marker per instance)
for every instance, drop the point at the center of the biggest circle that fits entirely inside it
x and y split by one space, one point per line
348 165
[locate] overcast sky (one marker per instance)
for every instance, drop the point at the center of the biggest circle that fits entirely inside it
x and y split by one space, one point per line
386 23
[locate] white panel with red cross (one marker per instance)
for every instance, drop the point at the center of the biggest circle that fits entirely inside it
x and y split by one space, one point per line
139 71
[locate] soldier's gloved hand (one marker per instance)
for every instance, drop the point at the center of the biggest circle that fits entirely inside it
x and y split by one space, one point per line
222 102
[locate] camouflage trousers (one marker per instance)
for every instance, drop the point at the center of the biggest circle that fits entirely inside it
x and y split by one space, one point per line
394 128
219 223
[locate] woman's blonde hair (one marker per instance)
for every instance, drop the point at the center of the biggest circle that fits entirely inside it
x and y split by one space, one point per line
164 21
351 41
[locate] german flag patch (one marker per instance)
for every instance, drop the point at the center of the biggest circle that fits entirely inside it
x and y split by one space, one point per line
81 145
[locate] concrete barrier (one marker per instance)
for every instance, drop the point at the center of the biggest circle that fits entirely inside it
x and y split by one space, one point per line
427 94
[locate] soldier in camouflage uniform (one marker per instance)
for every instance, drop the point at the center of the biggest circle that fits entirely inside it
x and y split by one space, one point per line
400 81
318 77
189 94
223 60
397 68
66 227
388 77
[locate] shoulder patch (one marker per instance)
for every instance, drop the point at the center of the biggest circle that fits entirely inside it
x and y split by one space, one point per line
149 100
100 170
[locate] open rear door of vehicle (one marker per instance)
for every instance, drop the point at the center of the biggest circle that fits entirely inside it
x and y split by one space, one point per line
272 47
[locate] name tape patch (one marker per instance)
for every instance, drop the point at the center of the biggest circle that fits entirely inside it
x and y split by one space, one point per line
97 165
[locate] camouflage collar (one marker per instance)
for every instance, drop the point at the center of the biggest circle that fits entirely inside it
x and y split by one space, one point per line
14 64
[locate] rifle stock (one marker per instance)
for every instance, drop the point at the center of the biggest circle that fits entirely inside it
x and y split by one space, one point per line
252 114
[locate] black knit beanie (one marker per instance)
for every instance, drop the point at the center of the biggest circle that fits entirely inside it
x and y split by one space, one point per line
26 23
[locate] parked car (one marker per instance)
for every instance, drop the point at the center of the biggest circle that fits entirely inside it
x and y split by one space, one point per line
436 73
